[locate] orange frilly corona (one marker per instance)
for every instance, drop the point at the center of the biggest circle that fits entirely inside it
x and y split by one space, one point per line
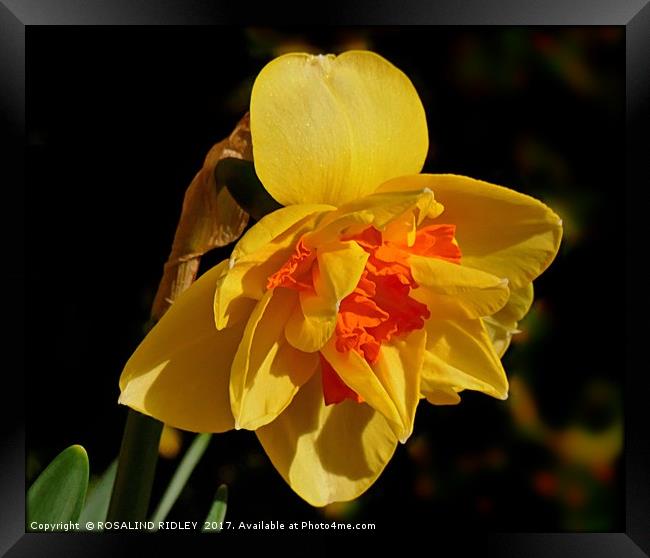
373 288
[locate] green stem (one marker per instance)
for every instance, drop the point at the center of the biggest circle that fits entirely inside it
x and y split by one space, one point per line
136 468
182 474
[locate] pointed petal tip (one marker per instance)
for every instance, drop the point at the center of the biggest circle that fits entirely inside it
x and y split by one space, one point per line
403 432
253 423
123 398
404 439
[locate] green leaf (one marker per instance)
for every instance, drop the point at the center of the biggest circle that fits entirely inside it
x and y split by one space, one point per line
217 512
58 494
243 184
182 474
99 496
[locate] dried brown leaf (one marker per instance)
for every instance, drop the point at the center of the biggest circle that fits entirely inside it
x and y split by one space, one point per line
210 218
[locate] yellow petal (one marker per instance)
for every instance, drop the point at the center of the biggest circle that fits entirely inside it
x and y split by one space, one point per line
340 265
311 323
398 369
442 395
402 230
500 335
327 453
409 184
240 287
179 373
338 270
498 230
391 386
452 290
502 325
331 129
378 210
459 355
259 254
267 371
357 374
517 307
273 225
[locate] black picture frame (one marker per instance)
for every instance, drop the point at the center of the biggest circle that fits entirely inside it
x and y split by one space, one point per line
634 15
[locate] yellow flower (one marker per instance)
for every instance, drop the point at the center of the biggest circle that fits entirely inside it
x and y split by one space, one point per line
373 288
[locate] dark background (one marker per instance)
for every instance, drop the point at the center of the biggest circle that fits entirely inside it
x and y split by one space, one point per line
119 120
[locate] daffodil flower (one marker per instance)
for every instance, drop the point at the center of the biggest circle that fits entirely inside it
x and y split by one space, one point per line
373 288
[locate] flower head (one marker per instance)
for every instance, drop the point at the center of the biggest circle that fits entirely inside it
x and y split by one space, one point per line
375 287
